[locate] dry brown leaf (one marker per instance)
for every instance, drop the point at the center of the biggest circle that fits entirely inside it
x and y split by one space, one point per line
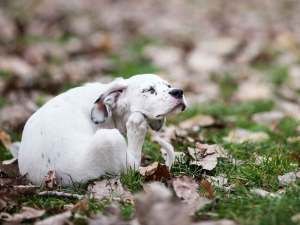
219 181
155 172
50 181
164 57
188 191
26 213
156 206
5 139
289 108
253 90
203 61
268 118
58 219
110 189
25 189
207 186
19 68
293 139
60 194
13 148
82 205
101 219
264 193
206 155
197 121
217 222
241 135
296 218
294 77
14 116
10 170
287 178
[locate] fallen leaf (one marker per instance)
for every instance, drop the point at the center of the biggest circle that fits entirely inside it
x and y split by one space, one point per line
101 219
293 139
289 108
222 46
241 135
188 191
82 205
294 77
268 118
264 193
155 172
164 57
296 218
206 155
207 186
59 219
9 169
19 68
201 61
110 189
50 181
287 178
26 213
156 206
253 90
25 189
5 139
258 159
13 148
217 222
219 181
198 121
14 116
60 194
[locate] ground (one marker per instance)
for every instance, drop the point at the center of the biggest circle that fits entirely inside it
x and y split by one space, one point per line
239 67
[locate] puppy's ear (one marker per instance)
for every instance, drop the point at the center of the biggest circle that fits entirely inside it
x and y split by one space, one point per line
103 106
156 124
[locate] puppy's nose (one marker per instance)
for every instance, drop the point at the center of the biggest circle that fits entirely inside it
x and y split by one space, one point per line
176 93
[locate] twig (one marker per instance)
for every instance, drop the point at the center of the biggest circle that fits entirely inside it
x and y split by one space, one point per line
60 194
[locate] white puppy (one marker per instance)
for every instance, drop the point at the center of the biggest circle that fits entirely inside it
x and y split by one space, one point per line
79 133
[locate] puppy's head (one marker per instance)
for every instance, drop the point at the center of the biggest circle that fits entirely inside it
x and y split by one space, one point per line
148 94
154 97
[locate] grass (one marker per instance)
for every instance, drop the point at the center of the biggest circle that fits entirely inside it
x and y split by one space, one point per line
4 153
181 167
127 211
247 208
132 180
134 62
152 150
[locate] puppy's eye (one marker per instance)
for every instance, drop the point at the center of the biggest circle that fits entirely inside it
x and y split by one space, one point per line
150 89
169 86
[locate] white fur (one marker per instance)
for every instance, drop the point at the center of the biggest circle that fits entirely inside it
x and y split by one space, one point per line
61 135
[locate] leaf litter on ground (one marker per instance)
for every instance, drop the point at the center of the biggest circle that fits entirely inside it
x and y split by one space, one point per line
188 190
206 155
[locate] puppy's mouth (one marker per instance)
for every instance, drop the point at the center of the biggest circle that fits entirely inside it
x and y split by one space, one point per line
177 108
157 123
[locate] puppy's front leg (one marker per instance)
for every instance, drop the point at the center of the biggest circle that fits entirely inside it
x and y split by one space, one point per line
136 132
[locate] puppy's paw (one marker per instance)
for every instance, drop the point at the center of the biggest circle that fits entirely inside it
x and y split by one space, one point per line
137 123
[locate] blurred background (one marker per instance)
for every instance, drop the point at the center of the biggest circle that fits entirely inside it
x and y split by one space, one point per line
218 51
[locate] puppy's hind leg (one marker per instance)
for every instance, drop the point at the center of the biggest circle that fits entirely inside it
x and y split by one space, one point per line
106 154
